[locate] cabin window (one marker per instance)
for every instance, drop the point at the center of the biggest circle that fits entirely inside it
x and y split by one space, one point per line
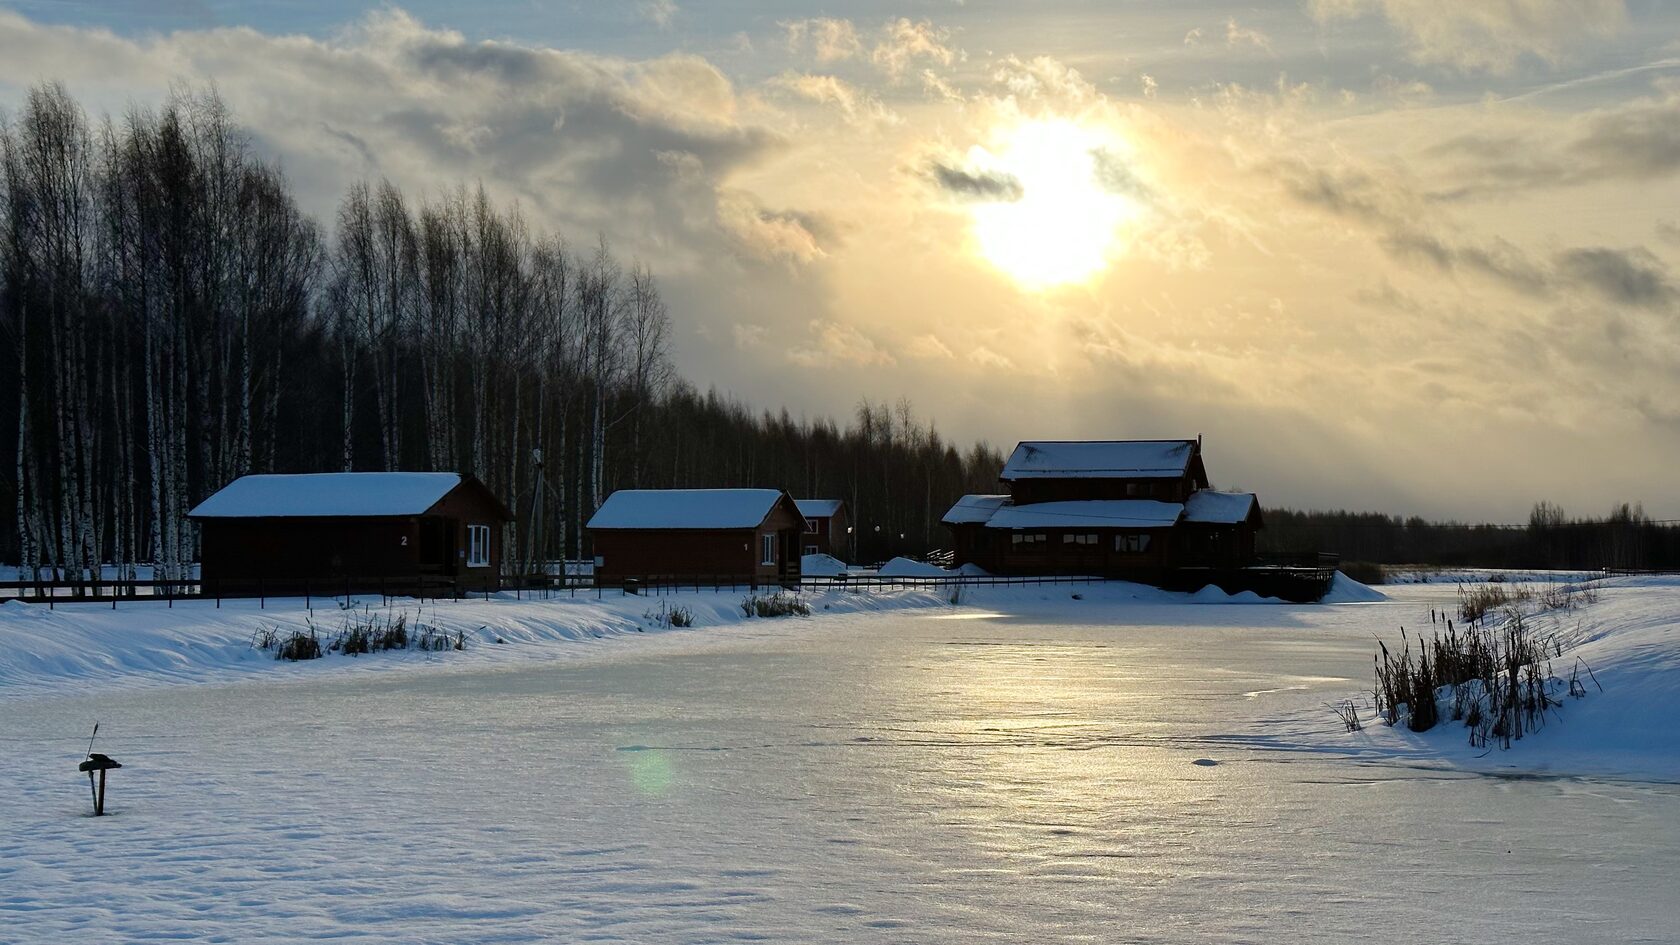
1140 488
767 544
810 526
811 549
1135 543
1073 538
478 546
1027 541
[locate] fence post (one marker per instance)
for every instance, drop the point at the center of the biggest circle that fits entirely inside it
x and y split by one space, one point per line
262 594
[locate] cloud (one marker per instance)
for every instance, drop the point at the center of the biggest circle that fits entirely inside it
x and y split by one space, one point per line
771 235
658 12
642 150
1194 37
928 348
937 88
1236 35
1485 35
987 358
1116 175
904 42
1637 140
835 343
1149 85
1627 276
829 39
748 335
858 107
983 185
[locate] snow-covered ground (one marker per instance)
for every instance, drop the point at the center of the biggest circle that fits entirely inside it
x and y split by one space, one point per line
1103 763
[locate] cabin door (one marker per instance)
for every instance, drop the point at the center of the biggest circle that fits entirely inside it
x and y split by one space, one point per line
436 546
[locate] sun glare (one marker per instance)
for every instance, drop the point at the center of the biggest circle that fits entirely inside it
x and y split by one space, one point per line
1065 225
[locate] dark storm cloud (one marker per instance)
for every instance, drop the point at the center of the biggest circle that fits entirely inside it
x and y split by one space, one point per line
1116 176
1639 141
1627 276
975 185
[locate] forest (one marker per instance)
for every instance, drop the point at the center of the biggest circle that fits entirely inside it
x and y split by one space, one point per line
175 321
1625 538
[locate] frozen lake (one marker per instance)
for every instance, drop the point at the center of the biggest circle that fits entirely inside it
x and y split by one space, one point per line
1108 775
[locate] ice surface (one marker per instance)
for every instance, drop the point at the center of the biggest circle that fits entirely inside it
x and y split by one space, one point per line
1124 766
328 494
685 508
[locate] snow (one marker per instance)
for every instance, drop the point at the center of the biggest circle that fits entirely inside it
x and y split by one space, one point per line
1219 508
974 509
821 565
1087 763
1630 639
328 494
686 508
1345 590
1101 459
908 567
817 508
1092 513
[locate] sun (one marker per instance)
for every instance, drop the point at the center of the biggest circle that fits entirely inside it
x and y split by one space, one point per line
1066 223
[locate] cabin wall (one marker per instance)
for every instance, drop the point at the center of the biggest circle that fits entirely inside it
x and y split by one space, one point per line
995 550
326 549
652 554
460 508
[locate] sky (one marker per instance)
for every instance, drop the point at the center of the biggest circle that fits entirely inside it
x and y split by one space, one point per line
1417 256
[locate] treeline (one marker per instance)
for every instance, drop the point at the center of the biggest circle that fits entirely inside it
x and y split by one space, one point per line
1624 538
175 322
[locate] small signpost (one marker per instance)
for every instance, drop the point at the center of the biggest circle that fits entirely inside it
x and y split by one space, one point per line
100 763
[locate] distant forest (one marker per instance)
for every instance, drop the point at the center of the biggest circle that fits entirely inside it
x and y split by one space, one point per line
1625 538
173 321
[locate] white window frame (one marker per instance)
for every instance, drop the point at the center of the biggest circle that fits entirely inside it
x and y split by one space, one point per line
478 546
811 526
813 550
767 549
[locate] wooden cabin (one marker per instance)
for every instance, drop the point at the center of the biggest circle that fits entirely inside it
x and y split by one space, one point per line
1135 509
713 536
365 530
826 527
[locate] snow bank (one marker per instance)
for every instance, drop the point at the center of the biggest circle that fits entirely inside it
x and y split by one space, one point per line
905 567
1345 590
148 643
1630 639
820 565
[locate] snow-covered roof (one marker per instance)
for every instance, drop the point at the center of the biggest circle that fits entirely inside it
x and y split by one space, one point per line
322 495
817 508
1088 513
1099 459
686 508
974 509
1219 508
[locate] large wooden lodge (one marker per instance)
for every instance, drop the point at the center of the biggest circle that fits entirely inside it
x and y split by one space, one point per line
1135 509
